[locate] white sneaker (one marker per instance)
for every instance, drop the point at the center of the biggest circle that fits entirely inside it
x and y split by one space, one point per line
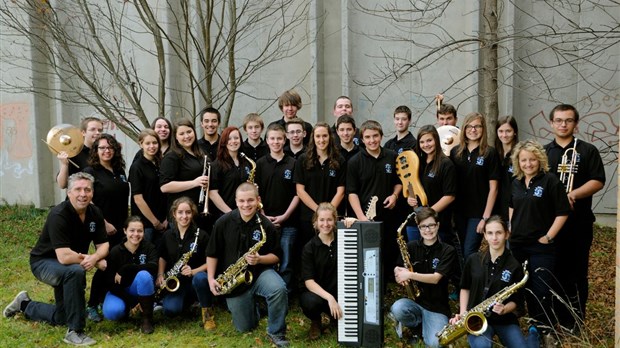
398 326
78 338
15 306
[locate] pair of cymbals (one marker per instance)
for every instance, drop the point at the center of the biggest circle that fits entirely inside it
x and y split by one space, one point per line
65 137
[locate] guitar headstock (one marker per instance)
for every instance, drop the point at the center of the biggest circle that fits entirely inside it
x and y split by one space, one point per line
371 211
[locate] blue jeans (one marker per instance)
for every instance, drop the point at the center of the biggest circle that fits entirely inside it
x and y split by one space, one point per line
469 237
175 302
411 314
115 308
287 242
69 282
243 307
509 335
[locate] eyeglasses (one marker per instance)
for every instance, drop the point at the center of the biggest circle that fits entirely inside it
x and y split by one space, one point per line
427 227
559 121
476 127
105 148
293 132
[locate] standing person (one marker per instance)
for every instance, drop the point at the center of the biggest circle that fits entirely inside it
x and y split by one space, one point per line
254 147
274 177
234 234
403 140
346 130
290 103
229 170
507 137
295 135
130 276
147 200
574 241
210 122
91 128
434 262
485 274
538 210
343 106
446 114
477 173
162 128
193 283
319 177
61 259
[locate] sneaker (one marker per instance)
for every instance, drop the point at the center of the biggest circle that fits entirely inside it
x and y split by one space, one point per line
92 314
158 307
15 307
278 340
398 326
78 338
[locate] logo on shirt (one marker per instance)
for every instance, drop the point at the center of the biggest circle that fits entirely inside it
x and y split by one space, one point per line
538 191
92 227
435 263
511 170
288 174
256 235
480 161
388 168
356 141
123 178
142 259
400 150
506 276
431 174
332 173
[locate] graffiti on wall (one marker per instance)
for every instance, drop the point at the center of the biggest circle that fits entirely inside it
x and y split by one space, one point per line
15 140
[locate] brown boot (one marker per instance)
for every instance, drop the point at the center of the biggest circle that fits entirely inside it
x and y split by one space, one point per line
315 330
146 304
208 319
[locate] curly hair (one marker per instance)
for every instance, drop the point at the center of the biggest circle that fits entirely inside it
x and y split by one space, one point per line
118 163
535 148
312 156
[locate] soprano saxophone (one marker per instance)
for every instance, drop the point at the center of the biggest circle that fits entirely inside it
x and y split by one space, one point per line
171 281
237 273
413 291
251 175
474 321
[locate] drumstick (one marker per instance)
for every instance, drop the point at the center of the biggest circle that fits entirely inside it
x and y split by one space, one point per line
57 152
438 104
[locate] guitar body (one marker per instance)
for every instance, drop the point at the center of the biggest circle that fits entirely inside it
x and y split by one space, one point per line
407 166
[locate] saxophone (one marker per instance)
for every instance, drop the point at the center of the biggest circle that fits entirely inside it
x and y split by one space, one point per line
237 273
171 281
474 320
251 175
413 291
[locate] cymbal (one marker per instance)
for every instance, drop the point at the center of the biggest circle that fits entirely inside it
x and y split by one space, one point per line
65 137
449 138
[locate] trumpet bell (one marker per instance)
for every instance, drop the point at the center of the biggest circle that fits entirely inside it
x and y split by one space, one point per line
65 137
449 138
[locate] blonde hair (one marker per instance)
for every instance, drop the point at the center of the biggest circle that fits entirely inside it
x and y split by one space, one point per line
325 206
535 148
484 144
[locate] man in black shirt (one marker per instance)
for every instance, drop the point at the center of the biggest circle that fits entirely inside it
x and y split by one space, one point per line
403 140
575 237
233 236
289 103
61 259
254 147
210 121
92 128
345 129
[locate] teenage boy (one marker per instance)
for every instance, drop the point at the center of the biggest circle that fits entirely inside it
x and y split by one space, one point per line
343 106
91 128
210 122
575 238
289 103
446 115
295 134
274 177
254 147
345 128
403 140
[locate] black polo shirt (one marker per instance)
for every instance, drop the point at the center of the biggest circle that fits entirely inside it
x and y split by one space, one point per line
173 247
208 148
589 167
321 182
536 207
232 238
484 278
473 173
64 229
111 195
275 185
437 185
81 159
440 258
128 264
357 138
307 128
226 181
368 176
408 142
255 152
176 168
504 187
348 154
295 155
144 179
318 262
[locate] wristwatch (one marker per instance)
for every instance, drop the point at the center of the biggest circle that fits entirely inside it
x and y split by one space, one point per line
549 239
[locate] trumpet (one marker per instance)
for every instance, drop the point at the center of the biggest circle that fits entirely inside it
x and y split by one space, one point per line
568 167
203 201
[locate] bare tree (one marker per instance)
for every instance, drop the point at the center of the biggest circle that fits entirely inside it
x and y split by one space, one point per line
120 57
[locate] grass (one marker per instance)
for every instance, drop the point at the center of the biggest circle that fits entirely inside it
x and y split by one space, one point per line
19 230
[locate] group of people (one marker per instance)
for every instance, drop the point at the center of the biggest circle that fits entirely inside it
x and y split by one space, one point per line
210 209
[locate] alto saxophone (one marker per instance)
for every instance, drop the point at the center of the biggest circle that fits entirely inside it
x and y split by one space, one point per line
251 175
413 291
237 273
171 281
474 320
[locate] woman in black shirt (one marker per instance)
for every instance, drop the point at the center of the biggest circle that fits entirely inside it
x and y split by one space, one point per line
507 137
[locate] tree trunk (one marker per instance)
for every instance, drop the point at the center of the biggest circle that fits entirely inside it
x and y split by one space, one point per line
487 72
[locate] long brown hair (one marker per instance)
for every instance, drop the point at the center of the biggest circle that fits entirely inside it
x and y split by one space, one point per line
176 147
223 157
312 156
149 132
512 122
439 155
484 145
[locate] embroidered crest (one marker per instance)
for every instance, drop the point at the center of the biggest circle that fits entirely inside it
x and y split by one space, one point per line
506 276
256 235
511 170
388 168
123 178
288 174
431 174
435 263
332 173
142 259
400 150
538 191
356 141
92 227
480 161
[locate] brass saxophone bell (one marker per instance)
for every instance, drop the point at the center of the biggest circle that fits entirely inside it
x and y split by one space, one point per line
172 284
